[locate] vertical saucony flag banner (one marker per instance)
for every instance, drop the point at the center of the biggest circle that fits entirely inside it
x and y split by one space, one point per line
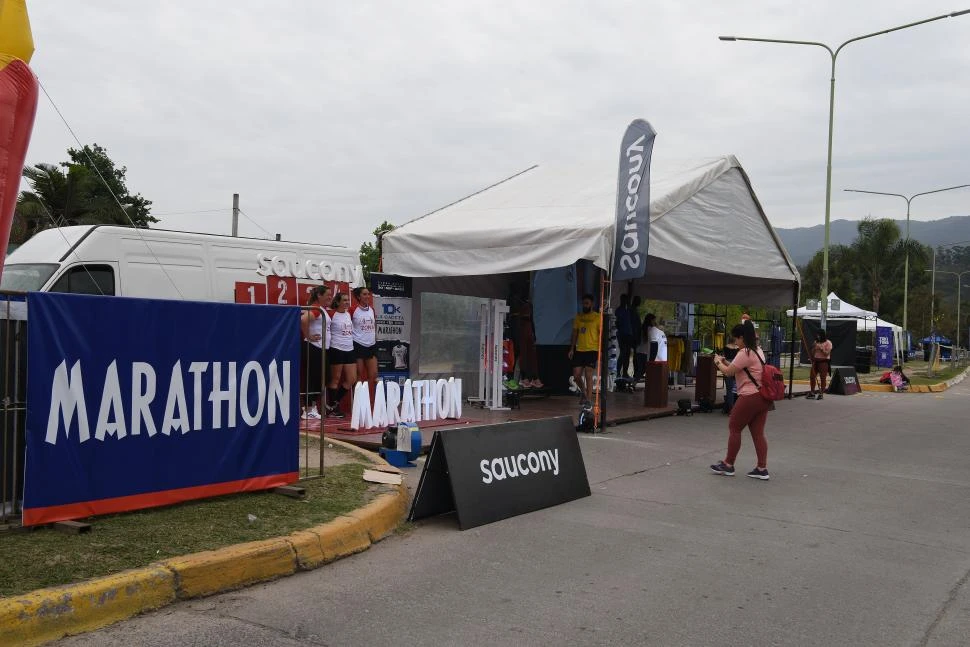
134 403
633 202
493 472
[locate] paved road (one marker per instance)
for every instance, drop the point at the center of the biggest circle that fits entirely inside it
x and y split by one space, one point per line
861 538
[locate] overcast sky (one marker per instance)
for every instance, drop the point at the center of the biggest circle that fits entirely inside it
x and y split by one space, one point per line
330 117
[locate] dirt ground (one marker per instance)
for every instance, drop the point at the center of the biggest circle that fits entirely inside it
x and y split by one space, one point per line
332 454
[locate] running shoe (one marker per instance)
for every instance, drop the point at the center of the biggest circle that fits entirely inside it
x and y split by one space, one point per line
537 384
573 386
313 414
526 384
759 474
723 469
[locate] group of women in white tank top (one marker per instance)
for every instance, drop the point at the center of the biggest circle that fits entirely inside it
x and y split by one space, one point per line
348 334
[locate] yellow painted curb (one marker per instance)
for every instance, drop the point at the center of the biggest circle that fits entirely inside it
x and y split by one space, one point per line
382 515
231 567
309 553
341 537
49 614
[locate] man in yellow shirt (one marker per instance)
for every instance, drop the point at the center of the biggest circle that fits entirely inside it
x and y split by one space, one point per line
584 348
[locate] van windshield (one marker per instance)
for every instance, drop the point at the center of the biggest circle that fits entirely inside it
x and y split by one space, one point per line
26 277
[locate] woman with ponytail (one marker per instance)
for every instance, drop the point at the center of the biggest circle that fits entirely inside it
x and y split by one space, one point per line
751 409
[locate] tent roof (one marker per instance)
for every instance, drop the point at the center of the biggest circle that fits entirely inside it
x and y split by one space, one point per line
710 240
867 319
845 310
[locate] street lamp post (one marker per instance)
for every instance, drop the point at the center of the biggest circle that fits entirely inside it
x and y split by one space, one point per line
933 279
908 200
828 167
959 276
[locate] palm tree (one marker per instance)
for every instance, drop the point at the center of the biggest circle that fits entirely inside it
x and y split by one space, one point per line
878 254
88 189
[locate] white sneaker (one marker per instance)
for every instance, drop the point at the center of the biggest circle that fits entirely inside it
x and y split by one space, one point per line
313 414
573 386
303 414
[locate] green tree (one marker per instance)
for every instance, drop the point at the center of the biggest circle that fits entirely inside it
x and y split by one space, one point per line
370 253
842 277
87 189
878 254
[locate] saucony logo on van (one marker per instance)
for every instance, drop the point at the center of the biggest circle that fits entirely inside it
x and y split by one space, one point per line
320 270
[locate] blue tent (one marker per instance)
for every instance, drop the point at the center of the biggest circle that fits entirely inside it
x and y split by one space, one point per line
936 339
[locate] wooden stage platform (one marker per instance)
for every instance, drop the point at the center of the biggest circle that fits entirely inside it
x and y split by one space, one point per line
620 408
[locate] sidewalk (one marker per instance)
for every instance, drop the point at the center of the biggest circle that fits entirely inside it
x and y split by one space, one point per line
48 614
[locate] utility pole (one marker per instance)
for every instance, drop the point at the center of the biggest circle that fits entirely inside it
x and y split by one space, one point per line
235 214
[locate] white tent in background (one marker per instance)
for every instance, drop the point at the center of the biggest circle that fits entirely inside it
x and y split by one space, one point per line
866 320
838 309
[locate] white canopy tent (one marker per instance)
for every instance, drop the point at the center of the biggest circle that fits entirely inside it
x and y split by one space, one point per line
710 241
866 320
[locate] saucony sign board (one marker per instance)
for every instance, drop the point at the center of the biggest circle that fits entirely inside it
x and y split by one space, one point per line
498 471
633 202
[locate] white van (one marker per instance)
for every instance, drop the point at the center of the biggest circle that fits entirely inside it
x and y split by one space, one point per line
161 264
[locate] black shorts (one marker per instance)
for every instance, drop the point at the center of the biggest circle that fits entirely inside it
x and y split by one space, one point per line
585 358
364 352
336 356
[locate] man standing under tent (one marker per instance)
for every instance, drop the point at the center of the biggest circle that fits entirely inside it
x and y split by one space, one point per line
625 335
584 347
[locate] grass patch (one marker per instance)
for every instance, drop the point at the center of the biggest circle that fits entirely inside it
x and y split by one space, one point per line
34 559
916 371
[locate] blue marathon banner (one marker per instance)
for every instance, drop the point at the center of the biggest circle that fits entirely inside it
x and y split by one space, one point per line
633 202
134 403
884 347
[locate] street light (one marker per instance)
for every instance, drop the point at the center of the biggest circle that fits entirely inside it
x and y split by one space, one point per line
959 276
908 201
828 168
933 279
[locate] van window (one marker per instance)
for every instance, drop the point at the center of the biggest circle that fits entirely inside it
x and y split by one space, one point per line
87 279
26 277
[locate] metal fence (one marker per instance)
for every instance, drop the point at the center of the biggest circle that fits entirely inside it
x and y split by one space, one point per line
13 387
312 398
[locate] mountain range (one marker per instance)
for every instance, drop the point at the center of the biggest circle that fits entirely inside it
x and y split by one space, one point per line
803 242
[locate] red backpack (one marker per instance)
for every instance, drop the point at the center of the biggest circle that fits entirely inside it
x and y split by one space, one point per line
772 385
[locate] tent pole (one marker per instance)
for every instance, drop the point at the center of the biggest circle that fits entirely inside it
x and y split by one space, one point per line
791 358
599 399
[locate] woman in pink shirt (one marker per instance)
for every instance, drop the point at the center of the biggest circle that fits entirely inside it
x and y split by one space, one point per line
750 410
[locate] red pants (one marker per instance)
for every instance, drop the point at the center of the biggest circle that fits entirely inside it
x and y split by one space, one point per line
749 411
820 368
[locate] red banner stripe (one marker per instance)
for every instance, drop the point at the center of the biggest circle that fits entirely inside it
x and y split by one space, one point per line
83 509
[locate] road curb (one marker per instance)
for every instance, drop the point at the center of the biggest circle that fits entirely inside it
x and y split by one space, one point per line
914 388
48 614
